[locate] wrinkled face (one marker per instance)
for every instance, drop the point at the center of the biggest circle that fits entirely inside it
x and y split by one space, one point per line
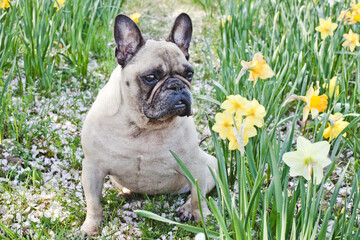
162 77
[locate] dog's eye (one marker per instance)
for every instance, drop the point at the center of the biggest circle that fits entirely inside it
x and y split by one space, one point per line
189 75
151 78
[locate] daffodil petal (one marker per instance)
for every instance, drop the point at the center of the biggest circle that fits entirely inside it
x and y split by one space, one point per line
306 111
319 150
294 159
303 145
226 104
266 72
327 132
318 174
258 57
306 173
296 171
314 113
324 162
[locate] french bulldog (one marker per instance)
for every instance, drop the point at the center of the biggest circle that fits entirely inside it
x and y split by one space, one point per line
141 114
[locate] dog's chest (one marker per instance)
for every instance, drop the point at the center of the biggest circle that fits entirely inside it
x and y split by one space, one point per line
149 167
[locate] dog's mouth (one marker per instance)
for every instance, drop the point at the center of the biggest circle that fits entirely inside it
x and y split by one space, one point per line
181 108
180 104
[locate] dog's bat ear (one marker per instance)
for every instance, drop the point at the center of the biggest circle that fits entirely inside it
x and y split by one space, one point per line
128 39
181 33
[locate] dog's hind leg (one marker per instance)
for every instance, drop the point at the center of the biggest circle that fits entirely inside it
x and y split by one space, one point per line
93 181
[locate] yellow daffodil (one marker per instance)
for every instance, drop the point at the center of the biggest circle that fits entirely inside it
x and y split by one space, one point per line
59 4
332 90
309 159
225 19
224 124
335 126
255 113
326 27
351 40
241 134
4 4
314 103
135 17
258 68
235 103
346 17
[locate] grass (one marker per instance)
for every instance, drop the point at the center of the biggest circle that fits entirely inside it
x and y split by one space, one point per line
54 61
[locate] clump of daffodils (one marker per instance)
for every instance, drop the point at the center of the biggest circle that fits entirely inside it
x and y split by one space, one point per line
237 123
351 15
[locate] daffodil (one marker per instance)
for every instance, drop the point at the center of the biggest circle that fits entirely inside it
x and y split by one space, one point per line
59 4
335 126
258 68
346 17
135 17
314 103
224 124
326 27
4 4
332 89
235 103
240 135
308 160
351 40
255 113
225 19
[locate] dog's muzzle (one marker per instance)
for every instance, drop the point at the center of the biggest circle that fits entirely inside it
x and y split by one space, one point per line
170 96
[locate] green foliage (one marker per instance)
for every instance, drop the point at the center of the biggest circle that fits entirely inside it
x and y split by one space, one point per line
43 48
266 203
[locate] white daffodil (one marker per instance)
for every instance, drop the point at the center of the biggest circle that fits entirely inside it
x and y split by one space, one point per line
309 158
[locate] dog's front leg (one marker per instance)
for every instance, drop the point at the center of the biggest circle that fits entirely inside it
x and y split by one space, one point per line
191 210
93 181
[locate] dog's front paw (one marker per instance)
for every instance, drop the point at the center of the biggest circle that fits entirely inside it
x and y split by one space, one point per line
90 227
185 212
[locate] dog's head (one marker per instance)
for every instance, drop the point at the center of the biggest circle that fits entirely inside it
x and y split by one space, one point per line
156 75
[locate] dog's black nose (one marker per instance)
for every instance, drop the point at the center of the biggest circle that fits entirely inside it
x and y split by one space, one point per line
175 84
